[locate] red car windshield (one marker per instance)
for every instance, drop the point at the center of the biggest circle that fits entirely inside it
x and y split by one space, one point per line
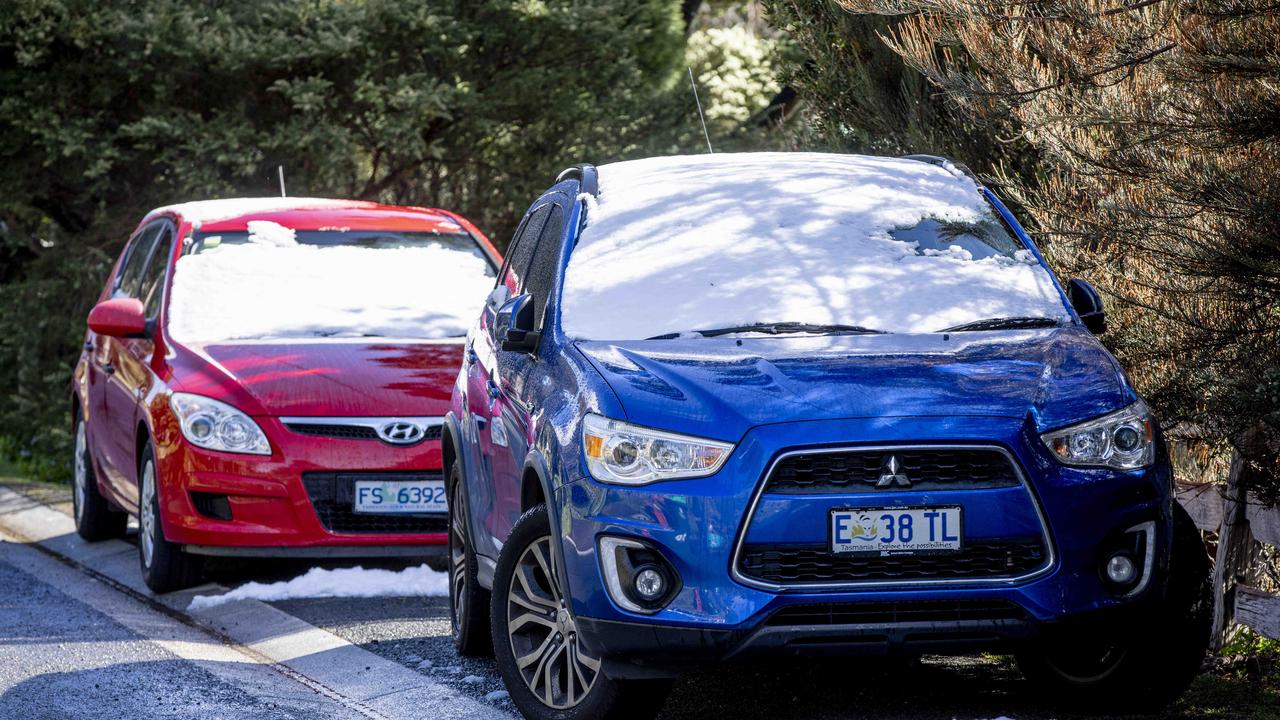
273 282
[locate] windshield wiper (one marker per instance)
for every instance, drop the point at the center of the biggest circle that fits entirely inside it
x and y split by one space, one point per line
779 328
1005 323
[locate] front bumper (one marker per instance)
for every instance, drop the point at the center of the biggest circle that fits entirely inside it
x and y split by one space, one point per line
699 525
273 513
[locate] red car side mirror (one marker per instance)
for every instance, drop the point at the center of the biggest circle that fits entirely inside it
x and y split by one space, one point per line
121 317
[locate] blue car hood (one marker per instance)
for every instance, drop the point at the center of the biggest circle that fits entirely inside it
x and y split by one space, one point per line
721 387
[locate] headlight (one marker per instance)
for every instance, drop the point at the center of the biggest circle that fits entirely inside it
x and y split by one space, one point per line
1122 440
619 452
217 426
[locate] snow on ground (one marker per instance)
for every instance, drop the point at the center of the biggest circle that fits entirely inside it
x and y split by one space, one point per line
274 287
343 582
699 242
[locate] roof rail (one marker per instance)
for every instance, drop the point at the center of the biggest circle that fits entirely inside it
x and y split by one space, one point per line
585 174
943 162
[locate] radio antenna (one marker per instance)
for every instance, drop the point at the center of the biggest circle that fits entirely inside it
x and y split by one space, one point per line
701 118
280 172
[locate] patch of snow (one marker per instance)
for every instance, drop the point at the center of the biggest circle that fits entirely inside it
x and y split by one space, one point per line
497 696
269 288
473 679
265 232
676 244
342 582
425 665
210 210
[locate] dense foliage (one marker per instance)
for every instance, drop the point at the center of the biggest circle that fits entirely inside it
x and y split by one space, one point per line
110 109
1155 124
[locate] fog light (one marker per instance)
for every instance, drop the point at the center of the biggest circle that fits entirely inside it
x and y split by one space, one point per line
638 577
1120 569
650 584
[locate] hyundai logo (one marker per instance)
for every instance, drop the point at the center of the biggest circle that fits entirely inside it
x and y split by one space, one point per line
399 432
891 474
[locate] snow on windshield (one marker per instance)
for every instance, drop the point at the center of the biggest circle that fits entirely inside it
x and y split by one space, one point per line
678 244
274 287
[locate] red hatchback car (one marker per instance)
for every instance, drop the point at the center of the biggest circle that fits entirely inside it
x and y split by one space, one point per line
267 377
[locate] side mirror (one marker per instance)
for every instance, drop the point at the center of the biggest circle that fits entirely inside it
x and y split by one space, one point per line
1088 305
120 317
515 326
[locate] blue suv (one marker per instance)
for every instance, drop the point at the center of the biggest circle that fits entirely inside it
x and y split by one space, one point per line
777 404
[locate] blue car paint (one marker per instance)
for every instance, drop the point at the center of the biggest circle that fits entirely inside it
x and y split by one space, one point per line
767 395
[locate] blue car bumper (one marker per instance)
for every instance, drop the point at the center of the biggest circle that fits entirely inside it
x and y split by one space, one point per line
755 574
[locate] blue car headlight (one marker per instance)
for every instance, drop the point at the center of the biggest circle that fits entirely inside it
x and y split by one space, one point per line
1123 440
626 454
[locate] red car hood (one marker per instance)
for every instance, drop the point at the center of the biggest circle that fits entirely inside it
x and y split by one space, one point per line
325 378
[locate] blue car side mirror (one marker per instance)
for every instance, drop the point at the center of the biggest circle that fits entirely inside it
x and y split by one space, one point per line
515 325
1088 305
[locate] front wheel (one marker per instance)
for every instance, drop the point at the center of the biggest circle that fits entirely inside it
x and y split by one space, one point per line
165 567
547 670
1140 669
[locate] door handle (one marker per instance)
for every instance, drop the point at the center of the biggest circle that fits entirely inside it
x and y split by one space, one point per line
494 392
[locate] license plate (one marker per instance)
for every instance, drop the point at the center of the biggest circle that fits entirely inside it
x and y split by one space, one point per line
400 496
896 531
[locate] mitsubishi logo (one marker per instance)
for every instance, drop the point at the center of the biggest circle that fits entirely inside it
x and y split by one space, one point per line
399 432
891 475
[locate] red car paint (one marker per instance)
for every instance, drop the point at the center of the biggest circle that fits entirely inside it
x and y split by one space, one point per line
122 387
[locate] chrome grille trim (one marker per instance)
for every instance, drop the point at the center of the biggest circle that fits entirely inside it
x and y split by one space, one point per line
1051 556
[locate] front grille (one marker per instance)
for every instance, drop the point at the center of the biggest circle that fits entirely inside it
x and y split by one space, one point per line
346 432
333 494
351 432
895 612
793 564
861 470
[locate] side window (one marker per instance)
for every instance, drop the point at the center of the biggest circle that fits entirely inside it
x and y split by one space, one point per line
129 281
522 250
153 278
541 275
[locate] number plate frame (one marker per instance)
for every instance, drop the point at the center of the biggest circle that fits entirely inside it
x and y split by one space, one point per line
398 508
876 548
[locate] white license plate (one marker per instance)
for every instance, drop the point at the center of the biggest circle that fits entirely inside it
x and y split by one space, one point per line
896 531
400 496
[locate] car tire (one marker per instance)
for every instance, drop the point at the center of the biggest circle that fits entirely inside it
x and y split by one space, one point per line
533 628
468 602
96 518
165 567
1154 664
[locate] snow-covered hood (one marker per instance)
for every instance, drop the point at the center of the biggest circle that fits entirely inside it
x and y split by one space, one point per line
721 387
335 378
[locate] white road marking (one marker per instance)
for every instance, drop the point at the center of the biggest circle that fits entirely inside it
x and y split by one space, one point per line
357 679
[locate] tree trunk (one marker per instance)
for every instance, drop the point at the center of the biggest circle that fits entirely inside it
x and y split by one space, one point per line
1235 549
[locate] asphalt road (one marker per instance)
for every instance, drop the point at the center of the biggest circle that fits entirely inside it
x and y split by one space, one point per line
72 646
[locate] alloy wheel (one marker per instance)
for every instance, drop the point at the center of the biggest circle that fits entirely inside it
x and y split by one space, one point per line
81 472
147 513
1086 662
543 635
458 589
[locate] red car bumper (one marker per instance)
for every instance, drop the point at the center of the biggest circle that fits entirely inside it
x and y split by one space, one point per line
272 511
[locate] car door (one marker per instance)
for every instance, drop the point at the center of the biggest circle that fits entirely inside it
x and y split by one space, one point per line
515 369
484 395
130 359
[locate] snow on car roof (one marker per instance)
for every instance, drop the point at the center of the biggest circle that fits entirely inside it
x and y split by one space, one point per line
228 208
676 244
